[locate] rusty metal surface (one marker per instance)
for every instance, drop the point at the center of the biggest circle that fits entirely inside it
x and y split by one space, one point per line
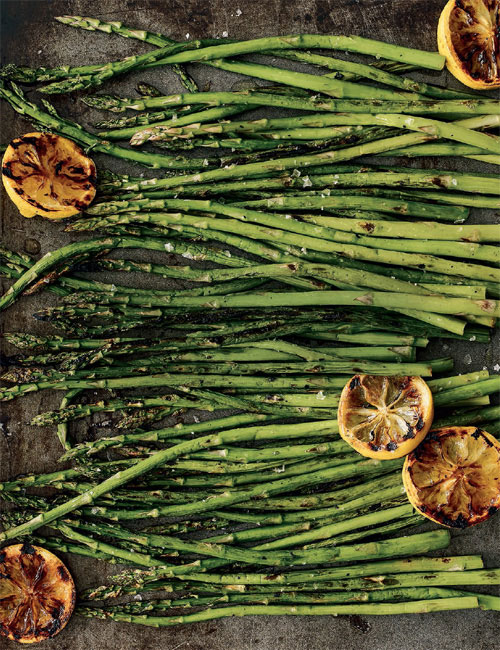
31 37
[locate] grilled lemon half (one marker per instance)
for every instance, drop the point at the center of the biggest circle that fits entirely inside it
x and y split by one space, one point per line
48 175
453 477
469 39
385 417
37 593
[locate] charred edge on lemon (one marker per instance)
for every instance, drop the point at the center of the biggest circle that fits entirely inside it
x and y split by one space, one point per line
27 549
7 171
355 382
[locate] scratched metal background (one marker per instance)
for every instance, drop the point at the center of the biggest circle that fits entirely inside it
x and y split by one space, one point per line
31 37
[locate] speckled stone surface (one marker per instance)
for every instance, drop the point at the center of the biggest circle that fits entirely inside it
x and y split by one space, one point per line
31 37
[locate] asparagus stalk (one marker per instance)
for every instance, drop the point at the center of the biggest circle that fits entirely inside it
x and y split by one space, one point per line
193 600
286 231
432 60
411 607
262 97
395 569
281 164
433 303
342 201
75 132
160 458
404 579
313 127
469 417
227 552
372 71
485 387
78 80
141 119
345 177
177 120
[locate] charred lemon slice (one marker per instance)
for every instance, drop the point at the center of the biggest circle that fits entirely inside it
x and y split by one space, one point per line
385 417
468 37
37 593
45 174
453 477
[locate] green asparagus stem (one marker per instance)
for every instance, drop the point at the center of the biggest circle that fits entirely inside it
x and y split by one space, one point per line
141 119
75 132
204 115
413 123
261 97
431 60
485 387
433 303
270 225
343 176
372 71
397 568
411 607
405 579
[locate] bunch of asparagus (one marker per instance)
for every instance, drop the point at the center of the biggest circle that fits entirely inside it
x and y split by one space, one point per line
356 267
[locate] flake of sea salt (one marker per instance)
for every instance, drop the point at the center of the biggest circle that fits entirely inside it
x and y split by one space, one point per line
238 12
169 247
225 34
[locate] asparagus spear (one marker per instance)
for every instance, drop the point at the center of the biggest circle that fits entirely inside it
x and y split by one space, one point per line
436 127
400 54
372 71
262 97
75 132
438 567
411 607
154 461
